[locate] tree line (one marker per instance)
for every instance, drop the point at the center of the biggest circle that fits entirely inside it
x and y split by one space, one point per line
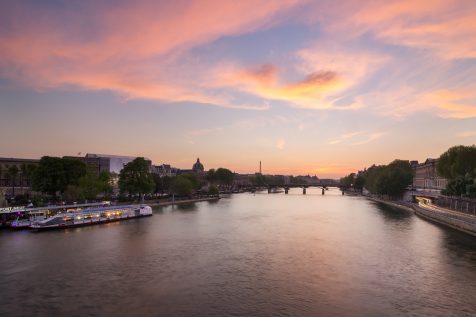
385 180
72 180
458 166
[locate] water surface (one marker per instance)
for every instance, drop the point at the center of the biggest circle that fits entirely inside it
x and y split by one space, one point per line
247 255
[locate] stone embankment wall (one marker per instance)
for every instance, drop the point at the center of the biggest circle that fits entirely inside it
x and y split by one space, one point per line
463 223
465 205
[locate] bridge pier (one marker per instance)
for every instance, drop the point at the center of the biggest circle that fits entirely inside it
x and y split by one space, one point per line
304 190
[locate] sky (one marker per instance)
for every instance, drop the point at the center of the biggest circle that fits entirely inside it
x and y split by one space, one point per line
307 87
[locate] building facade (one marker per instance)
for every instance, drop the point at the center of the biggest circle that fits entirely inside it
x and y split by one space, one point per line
198 167
426 177
164 170
105 162
15 175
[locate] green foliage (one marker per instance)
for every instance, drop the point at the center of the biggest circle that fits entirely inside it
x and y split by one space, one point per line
359 182
347 181
212 176
393 179
458 165
182 186
72 193
136 178
162 184
54 174
458 161
461 186
224 176
193 178
213 190
91 185
390 180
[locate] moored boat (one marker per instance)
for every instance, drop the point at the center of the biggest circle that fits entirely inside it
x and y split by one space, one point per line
91 216
23 221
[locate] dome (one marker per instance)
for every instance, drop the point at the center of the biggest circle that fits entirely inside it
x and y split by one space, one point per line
198 167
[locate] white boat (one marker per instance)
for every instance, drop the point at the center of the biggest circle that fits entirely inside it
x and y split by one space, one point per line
25 221
91 216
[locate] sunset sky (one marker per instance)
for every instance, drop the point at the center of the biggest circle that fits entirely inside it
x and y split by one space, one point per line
318 87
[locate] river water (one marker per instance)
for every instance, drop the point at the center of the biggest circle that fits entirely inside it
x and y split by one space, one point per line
247 255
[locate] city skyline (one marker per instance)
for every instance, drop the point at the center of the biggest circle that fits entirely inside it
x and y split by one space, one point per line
322 88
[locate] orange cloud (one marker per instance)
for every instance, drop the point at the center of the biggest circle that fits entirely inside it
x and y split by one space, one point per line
446 27
264 75
452 104
263 81
133 49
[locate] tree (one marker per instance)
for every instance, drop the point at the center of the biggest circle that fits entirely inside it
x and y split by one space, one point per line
457 161
182 186
224 176
359 182
211 176
192 177
136 178
213 190
30 171
54 174
89 186
347 181
458 165
393 179
12 174
72 193
162 184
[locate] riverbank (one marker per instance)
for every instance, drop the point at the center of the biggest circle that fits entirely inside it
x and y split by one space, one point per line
396 204
455 220
179 202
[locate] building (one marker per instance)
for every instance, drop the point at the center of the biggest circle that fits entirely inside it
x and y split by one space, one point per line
105 162
426 176
20 180
164 170
198 167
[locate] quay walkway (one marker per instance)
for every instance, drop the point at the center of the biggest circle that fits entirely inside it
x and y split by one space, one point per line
455 219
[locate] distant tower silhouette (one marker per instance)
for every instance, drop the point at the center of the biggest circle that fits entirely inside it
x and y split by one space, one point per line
260 167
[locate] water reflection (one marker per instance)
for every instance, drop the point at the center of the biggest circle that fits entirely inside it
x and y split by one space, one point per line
391 213
248 255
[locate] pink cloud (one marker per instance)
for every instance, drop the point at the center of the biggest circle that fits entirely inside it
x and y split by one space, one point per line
131 48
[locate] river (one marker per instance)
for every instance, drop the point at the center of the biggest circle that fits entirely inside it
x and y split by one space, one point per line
246 255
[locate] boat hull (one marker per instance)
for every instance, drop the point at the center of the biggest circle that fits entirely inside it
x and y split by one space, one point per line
86 223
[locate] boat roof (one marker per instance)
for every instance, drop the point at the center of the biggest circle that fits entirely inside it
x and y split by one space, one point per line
90 210
9 210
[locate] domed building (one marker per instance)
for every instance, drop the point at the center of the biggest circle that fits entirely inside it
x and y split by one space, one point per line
198 167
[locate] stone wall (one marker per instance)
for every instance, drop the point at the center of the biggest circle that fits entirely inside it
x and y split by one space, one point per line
463 223
464 205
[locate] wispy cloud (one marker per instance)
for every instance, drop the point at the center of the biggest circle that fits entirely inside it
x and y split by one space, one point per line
136 47
371 137
345 136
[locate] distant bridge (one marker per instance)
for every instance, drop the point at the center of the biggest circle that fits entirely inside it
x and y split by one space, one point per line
287 187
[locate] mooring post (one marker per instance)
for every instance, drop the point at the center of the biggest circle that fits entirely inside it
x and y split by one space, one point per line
304 190
286 190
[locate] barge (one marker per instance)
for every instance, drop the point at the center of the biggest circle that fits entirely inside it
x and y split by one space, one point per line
92 216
